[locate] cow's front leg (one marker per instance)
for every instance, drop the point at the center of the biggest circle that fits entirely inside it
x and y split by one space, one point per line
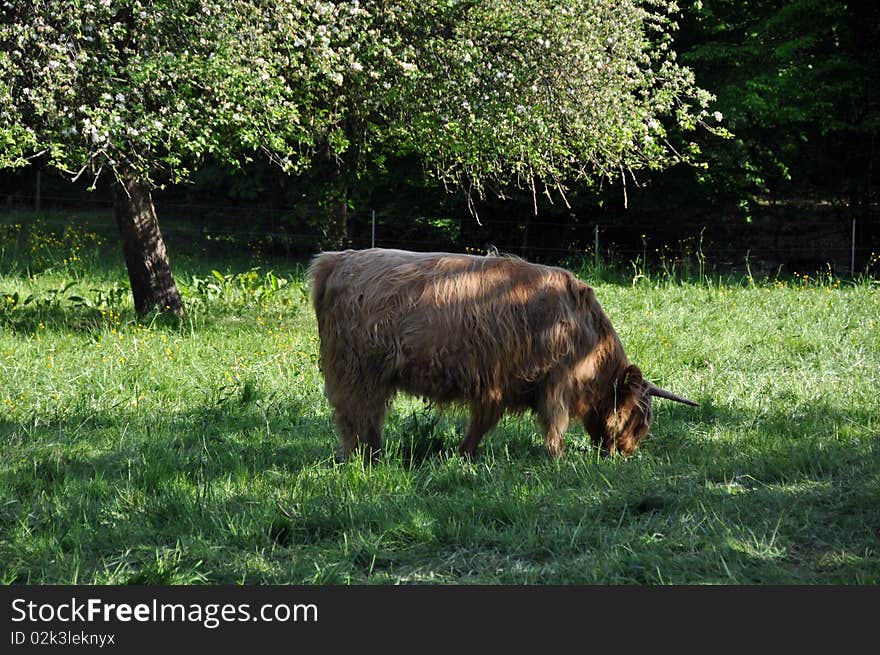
554 422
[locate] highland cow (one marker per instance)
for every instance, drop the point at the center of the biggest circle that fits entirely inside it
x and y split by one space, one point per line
495 333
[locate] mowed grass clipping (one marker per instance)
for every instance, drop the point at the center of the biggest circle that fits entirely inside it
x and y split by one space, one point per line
144 452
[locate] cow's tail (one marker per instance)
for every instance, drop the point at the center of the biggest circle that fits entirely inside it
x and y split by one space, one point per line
320 268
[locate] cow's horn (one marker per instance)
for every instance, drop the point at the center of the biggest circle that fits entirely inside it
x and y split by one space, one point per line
654 390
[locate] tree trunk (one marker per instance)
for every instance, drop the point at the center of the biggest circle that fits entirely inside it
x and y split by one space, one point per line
149 270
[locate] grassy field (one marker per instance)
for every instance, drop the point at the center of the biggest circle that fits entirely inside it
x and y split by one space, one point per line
142 452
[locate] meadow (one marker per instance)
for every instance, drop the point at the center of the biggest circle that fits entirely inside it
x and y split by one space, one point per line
203 452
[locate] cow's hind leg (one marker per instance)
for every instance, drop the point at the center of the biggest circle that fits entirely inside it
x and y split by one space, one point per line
361 426
346 426
483 419
370 432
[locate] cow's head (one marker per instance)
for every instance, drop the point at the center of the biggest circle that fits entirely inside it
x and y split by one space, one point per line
625 418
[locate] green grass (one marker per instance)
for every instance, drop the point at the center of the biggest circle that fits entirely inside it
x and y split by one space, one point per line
142 452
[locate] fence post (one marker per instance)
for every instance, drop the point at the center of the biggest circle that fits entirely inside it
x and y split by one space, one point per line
596 245
373 237
852 258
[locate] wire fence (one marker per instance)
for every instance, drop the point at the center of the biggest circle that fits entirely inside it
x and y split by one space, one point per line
827 239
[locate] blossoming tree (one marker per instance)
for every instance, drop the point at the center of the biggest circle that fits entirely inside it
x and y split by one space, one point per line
142 91
554 92
539 94
535 93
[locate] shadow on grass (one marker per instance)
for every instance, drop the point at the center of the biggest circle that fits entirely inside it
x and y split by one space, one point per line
186 497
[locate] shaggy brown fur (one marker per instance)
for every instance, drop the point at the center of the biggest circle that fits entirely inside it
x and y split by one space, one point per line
495 333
